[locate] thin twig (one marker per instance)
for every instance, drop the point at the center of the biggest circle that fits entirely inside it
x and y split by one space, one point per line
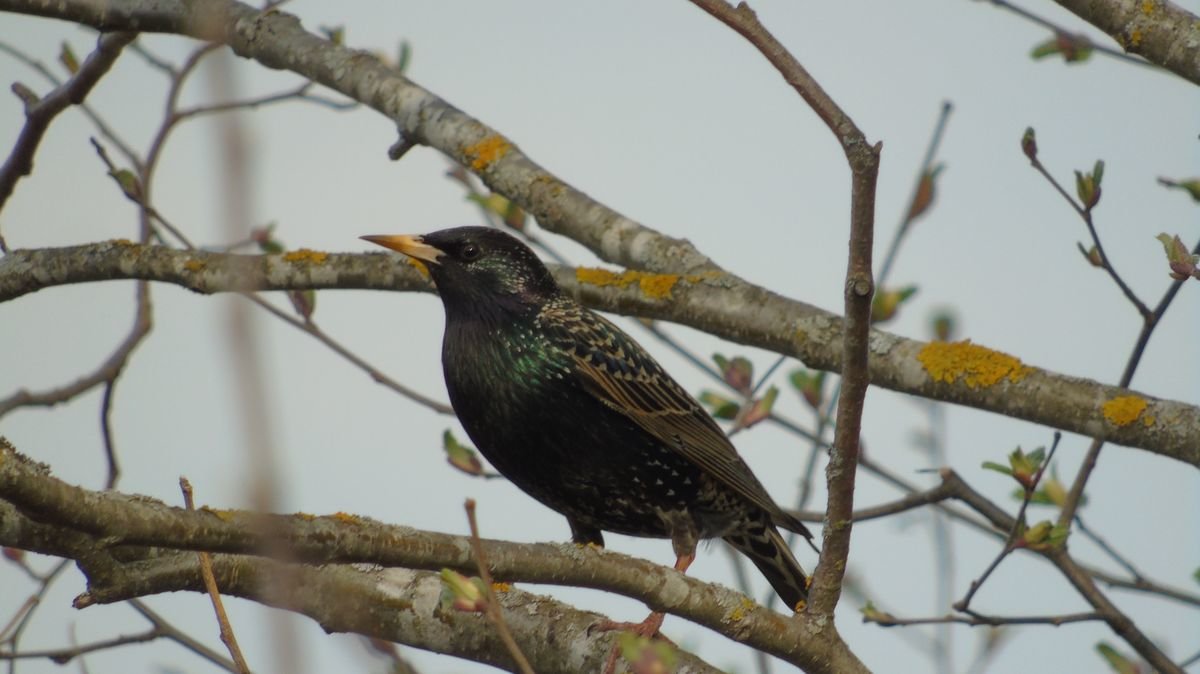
110 450
1075 37
40 112
1085 213
939 131
981 620
297 93
17 627
1015 533
1075 494
178 636
310 327
210 584
61 656
493 604
1108 549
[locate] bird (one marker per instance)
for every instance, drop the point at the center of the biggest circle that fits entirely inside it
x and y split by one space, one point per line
579 416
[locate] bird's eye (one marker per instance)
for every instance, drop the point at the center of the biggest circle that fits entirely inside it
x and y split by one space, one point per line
470 252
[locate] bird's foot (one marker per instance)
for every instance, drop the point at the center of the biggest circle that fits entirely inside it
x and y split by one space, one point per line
648 628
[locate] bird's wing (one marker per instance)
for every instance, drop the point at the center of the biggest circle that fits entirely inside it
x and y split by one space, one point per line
627 380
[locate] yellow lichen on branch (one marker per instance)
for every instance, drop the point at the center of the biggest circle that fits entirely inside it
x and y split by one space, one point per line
487 151
305 255
654 286
347 518
975 366
194 265
1124 410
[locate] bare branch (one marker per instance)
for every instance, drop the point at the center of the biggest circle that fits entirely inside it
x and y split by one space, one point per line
40 113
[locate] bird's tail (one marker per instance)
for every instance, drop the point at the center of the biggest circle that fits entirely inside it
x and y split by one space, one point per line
764 545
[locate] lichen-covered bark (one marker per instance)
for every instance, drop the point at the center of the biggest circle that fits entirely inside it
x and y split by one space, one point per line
717 303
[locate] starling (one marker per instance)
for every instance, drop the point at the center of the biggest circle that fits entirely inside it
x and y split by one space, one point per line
575 413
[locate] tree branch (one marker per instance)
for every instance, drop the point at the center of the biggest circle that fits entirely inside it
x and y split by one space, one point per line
39 113
108 533
1158 30
719 305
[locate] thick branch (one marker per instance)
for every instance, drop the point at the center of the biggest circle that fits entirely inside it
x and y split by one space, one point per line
108 532
399 605
1160 31
715 303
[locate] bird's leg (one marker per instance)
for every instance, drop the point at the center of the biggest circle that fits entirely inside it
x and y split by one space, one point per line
683 540
647 628
584 534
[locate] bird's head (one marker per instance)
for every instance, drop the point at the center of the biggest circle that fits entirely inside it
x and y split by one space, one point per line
473 266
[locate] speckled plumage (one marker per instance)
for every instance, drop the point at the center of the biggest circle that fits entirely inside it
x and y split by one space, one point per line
575 413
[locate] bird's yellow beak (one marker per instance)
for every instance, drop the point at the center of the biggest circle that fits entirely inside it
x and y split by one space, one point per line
412 246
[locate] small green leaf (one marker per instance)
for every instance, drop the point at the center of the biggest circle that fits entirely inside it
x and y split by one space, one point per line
1092 255
926 191
1087 186
462 593
304 302
67 58
738 372
1119 663
1029 144
871 614
404 58
1074 49
811 385
1191 186
461 456
992 465
1181 262
721 407
760 409
129 183
887 302
335 34
944 325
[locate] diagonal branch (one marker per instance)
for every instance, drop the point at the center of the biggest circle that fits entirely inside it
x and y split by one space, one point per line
1159 30
39 113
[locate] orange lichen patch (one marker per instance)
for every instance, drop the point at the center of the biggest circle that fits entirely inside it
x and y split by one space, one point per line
123 242
1148 420
418 265
347 518
307 517
975 366
501 587
487 151
1124 410
655 286
193 265
1148 7
1135 37
305 255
